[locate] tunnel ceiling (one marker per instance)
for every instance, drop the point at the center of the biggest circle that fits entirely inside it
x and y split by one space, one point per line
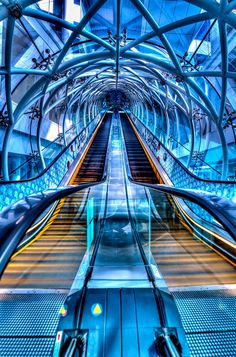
172 54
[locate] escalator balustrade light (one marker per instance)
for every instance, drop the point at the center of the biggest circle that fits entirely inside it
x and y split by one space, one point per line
96 309
63 311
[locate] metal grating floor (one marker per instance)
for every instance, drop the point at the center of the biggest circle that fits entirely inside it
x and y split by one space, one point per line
212 344
26 347
28 323
209 320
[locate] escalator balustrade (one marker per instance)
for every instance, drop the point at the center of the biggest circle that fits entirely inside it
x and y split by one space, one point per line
182 257
52 259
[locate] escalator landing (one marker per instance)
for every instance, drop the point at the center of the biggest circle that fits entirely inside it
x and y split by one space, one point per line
212 331
121 329
28 321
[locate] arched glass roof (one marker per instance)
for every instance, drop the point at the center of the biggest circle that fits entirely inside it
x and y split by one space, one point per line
174 58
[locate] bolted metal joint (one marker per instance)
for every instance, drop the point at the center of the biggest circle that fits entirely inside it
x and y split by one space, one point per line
34 113
15 10
179 78
4 119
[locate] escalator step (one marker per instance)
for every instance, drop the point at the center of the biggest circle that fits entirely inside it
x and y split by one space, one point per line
140 167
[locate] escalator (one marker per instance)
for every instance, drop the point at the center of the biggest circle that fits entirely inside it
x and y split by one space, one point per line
119 303
39 275
92 167
201 280
65 233
140 167
173 246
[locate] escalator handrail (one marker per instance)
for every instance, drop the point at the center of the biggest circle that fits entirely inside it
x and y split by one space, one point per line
180 163
52 162
17 218
220 208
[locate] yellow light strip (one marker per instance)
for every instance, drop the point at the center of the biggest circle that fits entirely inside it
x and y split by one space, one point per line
42 230
62 200
204 228
42 220
215 250
208 231
86 151
146 151
70 181
178 204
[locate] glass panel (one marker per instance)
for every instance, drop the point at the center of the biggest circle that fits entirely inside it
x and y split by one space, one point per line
210 165
2 92
22 85
170 11
25 44
204 50
46 5
51 177
188 245
59 243
3 26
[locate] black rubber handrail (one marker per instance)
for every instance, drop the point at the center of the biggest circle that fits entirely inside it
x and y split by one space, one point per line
222 209
16 219
179 162
51 163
